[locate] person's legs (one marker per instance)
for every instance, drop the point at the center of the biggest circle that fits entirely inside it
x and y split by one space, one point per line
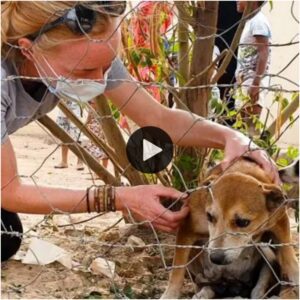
64 157
10 244
80 165
250 111
63 122
105 162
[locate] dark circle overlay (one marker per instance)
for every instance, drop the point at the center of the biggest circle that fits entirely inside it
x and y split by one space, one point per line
159 138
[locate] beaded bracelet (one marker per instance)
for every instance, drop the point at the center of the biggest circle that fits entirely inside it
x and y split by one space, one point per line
104 198
97 205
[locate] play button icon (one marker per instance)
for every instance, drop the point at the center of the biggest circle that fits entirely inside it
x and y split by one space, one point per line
149 149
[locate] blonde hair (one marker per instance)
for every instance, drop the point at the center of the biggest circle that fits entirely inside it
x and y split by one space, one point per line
19 19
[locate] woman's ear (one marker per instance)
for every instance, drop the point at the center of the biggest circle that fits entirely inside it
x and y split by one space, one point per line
25 45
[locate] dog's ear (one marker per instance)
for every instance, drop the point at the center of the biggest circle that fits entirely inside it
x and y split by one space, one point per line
197 219
274 196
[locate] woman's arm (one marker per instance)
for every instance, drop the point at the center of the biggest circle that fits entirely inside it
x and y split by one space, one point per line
142 203
26 198
186 128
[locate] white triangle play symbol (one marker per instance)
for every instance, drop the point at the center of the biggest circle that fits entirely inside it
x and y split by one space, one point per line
149 150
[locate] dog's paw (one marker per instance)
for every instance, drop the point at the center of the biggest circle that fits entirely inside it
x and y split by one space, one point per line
211 274
205 293
170 294
258 292
289 293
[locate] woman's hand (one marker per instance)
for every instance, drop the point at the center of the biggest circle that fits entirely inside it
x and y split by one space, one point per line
238 145
142 203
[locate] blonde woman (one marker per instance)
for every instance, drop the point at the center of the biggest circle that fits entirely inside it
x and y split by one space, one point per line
59 43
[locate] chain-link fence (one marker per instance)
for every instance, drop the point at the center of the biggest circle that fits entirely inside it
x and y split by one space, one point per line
105 255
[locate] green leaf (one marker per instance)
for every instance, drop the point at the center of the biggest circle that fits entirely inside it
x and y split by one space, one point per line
129 292
232 113
114 111
284 103
294 96
271 4
282 162
238 124
292 152
136 58
287 186
216 155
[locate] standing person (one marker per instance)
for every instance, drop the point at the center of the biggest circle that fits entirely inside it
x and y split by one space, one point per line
227 24
68 49
93 123
73 131
254 56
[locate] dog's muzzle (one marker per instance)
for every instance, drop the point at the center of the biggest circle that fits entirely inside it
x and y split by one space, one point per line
218 257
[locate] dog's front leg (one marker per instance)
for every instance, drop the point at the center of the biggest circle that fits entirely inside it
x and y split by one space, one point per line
261 288
266 276
287 259
205 293
185 237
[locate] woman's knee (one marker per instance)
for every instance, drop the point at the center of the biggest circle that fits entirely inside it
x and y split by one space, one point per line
11 234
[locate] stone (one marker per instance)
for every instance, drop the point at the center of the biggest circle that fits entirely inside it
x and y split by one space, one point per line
103 266
135 241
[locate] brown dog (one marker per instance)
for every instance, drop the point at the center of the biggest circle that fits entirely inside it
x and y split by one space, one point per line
235 209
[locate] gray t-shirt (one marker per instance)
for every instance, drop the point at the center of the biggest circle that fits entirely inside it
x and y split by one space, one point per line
18 108
258 25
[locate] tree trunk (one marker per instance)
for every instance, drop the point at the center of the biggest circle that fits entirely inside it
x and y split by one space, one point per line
197 98
116 141
190 160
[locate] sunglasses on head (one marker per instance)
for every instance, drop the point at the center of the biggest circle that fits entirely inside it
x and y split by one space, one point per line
81 18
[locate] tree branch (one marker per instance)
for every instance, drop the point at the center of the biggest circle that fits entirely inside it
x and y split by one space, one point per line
79 151
286 113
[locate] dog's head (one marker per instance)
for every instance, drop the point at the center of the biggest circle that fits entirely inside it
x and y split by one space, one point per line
239 209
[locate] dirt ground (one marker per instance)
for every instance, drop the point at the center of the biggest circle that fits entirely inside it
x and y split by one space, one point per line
139 273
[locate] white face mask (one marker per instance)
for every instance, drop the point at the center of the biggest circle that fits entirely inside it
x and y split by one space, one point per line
82 90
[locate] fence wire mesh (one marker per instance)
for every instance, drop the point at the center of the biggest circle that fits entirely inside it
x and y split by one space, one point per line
137 258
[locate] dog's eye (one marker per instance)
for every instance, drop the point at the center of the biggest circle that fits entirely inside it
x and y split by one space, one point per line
210 218
242 222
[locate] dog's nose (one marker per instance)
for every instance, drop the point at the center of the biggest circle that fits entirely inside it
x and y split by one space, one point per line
217 257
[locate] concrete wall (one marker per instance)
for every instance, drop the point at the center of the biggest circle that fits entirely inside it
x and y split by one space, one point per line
284 29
